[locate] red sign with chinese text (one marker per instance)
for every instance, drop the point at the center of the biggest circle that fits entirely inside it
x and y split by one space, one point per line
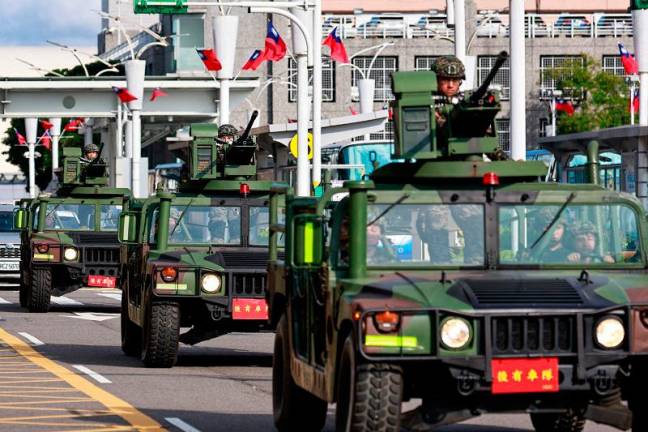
539 375
102 281
249 309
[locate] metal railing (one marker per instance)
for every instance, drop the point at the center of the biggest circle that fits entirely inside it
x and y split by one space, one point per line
433 26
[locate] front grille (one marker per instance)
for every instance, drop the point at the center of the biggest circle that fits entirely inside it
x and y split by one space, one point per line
247 284
245 259
529 335
6 252
94 256
94 238
527 292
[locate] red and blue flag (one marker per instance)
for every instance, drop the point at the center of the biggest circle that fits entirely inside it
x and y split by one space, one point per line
275 47
255 60
46 124
565 106
338 51
124 95
156 93
46 140
629 62
20 137
210 60
634 106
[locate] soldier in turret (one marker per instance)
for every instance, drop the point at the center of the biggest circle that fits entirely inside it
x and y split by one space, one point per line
450 73
90 153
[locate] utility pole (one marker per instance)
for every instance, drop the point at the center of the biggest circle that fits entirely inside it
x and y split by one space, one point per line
31 131
640 26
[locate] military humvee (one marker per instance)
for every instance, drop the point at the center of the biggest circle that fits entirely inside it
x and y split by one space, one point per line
460 280
69 239
196 258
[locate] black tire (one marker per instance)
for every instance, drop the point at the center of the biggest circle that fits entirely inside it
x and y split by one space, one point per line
573 420
40 290
369 396
294 409
24 286
160 335
131 334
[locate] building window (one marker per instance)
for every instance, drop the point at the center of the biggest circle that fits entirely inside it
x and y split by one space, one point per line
328 80
502 78
502 126
191 34
386 134
543 127
564 64
612 64
424 63
380 72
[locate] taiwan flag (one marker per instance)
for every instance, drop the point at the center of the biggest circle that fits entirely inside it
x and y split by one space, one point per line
275 47
46 140
209 59
46 124
21 139
156 93
72 125
634 106
124 95
630 64
565 106
255 60
338 51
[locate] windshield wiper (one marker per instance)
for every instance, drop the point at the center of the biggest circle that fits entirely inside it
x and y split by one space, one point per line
569 199
184 210
53 210
391 206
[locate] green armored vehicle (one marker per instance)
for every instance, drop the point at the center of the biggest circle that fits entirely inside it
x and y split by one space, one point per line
69 239
197 258
462 281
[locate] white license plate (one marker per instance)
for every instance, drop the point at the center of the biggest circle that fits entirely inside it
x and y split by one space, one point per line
9 266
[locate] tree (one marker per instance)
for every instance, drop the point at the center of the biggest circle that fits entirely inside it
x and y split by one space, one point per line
15 154
601 98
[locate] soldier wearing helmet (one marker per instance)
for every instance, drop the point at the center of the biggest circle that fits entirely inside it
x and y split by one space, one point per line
90 153
450 73
586 247
227 135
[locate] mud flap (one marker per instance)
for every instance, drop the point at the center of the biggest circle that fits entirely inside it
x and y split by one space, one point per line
617 415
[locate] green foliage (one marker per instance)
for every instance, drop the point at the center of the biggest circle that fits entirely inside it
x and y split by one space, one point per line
15 154
601 99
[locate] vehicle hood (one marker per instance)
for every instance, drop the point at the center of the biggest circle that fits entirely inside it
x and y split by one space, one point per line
183 257
463 290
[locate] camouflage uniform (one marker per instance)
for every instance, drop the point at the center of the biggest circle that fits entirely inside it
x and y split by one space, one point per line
225 131
89 148
432 227
469 218
449 67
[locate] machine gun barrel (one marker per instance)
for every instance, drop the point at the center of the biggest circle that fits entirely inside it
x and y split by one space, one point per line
481 91
246 133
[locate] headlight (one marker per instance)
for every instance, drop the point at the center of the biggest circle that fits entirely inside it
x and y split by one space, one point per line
210 283
610 332
70 254
455 333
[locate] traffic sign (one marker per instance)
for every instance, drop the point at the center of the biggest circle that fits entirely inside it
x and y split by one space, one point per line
293 146
161 6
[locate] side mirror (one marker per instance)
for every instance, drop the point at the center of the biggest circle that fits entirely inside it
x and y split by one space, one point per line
308 240
20 219
127 228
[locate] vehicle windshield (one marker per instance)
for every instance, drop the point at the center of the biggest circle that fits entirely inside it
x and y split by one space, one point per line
110 217
425 235
205 225
6 222
259 226
75 217
369 155
579 234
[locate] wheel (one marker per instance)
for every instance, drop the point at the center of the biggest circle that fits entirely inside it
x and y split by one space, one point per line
24 286
573 420
160 335
294 409
131 334
40 290
369 396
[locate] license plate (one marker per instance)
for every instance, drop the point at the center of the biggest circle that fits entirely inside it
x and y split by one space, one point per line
102 281
538 375
249 309
10 266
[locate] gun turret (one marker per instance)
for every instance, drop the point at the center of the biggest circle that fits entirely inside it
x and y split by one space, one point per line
241 152
94 168
481 91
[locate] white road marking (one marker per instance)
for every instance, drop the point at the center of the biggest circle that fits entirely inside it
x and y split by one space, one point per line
93 316
183 426
92 374
34 340
3 301
114 296
65 301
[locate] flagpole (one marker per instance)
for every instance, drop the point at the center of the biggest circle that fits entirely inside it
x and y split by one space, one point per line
31 128
553 115
632 93
317 93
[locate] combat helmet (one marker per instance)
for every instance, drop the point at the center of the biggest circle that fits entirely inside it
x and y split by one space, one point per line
449 67
88 148
584 228
226 130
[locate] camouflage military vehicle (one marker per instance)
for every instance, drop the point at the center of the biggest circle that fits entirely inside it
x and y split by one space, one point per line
462 281
196 258
69 239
